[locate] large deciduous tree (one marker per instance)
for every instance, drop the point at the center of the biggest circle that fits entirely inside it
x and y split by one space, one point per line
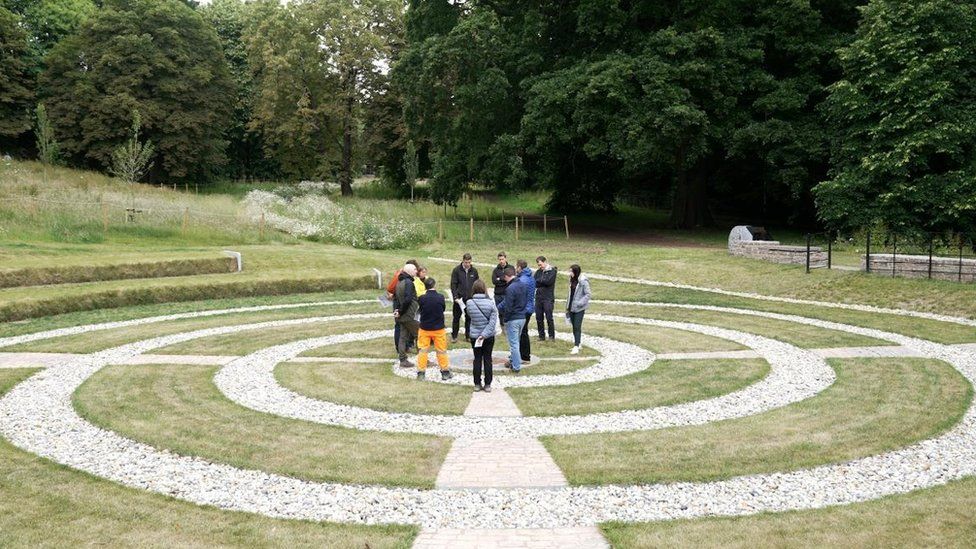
318 62
51 21
904 152
16 83
245 150
155 56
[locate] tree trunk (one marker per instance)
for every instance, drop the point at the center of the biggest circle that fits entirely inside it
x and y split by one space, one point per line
345 177
689 208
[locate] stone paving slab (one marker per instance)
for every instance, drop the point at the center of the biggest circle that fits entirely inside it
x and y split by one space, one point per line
494 404
587 537
499 463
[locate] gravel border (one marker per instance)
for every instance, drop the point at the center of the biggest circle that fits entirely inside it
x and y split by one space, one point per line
37 416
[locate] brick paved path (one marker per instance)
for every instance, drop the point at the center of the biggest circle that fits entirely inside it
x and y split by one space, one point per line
503 463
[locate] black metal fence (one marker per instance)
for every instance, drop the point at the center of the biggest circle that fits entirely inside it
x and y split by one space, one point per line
920 255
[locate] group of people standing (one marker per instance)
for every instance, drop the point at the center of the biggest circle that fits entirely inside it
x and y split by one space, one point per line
518 293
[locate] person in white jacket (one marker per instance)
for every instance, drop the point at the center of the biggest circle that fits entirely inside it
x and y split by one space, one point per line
579 300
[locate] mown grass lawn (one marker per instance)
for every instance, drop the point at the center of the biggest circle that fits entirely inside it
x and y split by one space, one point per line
178 408
875 405
47 505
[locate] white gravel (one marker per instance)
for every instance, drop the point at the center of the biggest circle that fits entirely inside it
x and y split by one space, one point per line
38 417
795 374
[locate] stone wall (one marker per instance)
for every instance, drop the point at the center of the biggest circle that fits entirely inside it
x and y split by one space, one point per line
773 251
917 266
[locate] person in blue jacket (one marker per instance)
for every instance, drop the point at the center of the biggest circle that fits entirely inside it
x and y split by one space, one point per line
512 311
525 277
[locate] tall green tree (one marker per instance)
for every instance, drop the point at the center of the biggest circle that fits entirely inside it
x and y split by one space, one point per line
158 57
16 82
48 149
245 150
51 21
317 63
904 150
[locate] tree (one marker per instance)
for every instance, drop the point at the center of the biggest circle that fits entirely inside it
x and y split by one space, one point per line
410 166
132 159
904 116
48 149
245 150
16 83
316 62
50 21
158 57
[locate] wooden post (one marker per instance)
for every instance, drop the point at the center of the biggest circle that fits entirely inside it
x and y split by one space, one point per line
566 223
545 224
516 227
440 229
471 228
104 217
186 220
262 225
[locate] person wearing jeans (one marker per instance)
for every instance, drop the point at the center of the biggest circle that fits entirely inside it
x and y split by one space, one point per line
484 320
525 277
579 300
462 277
512 309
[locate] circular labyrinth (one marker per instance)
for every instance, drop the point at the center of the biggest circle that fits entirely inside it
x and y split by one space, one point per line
37 415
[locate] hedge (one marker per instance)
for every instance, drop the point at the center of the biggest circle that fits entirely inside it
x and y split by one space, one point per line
123 271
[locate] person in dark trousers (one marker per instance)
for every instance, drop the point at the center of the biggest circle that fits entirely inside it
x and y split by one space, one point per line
405 309
525 277
512 311
545 297
432 332
462 277
484 320
390 288
579 300
498 277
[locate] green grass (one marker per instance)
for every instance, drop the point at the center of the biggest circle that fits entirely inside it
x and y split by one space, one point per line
665 383
104 339
800 335
875 405
944 516
179 408
654 338
249 341
47 505
373 386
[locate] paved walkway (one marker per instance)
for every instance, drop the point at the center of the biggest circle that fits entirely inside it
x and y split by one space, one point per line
503 463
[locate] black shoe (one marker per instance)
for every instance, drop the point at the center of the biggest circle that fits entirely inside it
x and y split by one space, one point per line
421 375
407 364
487 388
516 372
478 388
453 339
542 339
508 364
446 375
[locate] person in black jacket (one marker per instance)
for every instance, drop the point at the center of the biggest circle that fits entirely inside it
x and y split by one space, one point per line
545 297
462 278
432 307
498 277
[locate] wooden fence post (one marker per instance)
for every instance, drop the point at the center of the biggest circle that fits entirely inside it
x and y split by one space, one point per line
566 223
516 228
471 229
440 229
545 224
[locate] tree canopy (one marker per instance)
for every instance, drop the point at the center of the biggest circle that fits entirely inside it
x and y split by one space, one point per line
905 119
158 57
16 83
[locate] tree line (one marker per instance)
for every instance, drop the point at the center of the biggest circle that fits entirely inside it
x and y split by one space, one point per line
845 113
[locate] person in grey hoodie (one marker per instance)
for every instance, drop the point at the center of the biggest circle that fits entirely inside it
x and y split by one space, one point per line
579 300
484 321
545 297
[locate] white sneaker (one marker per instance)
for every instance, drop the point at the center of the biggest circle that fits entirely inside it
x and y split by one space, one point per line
574 351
